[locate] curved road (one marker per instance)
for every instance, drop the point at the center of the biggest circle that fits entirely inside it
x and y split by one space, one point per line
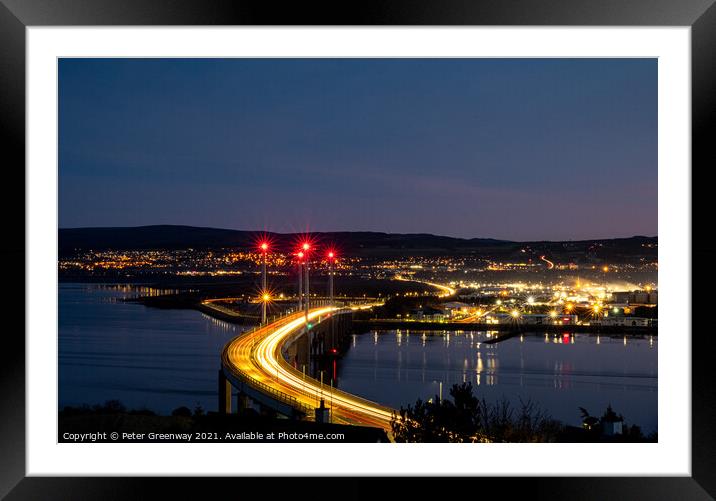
445 290
550 264
257 354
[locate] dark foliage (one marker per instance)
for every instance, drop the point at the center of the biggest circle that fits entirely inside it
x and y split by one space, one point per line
629 433
466 418
110 407
198 410
182 411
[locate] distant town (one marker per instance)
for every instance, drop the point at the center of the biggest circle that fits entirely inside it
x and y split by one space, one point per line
610 283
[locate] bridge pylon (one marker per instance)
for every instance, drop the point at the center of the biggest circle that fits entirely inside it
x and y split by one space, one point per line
224 394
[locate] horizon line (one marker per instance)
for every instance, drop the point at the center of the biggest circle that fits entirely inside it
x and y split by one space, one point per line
353 231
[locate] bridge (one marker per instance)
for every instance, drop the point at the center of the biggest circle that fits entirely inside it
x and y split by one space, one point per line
254 364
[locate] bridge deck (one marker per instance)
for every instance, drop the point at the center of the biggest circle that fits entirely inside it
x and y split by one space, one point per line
254 359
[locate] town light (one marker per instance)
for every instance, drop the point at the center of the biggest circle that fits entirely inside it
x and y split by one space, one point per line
264 246
266 297
306 246
515 313
300 255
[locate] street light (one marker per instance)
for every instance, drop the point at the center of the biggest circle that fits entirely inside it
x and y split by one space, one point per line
300 280
605 269
265 300
264 246
306 247
597 311
331 260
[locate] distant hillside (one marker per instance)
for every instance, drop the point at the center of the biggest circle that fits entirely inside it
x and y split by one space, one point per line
150 237
72 240
180 237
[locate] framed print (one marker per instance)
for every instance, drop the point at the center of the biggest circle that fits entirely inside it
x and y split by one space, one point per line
426 241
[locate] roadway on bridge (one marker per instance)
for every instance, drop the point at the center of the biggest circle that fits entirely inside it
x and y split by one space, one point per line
258 355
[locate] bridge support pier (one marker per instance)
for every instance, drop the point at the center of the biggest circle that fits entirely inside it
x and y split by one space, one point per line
243 402
267 411
224 394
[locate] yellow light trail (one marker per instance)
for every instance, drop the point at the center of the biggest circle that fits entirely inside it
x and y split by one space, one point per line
258 355
446 290
550 264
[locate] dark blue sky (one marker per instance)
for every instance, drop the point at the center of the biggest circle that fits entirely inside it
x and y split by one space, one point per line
521 149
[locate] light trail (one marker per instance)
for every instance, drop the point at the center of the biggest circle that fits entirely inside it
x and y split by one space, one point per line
477 316
258 355
446 290
550 264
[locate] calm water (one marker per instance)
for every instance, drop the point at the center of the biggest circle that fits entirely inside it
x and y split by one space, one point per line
144 357
163 359
560 373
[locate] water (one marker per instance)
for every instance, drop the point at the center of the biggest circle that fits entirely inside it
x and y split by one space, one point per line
163 359
144 357
559 373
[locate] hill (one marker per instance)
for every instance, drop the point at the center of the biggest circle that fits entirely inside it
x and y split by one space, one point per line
169 237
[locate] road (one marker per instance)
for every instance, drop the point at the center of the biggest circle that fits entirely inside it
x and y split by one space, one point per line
550 264
258 355
445 290
477 316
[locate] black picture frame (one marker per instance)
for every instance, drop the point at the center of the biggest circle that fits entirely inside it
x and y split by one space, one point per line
16 15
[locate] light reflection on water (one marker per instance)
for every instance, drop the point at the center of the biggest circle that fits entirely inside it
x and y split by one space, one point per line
163 359
145 357
560 372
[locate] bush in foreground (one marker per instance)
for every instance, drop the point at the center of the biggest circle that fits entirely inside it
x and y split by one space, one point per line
466 418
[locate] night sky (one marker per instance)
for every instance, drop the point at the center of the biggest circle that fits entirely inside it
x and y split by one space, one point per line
519 149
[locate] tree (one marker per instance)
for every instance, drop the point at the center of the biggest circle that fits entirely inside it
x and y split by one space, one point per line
629 433
466 418
110 407
610 416
182 411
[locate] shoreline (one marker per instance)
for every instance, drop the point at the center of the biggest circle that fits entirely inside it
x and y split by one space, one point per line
510 328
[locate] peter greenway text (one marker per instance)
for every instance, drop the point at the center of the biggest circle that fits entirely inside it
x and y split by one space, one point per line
200 437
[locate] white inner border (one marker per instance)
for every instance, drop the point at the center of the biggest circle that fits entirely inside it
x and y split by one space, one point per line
671 456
